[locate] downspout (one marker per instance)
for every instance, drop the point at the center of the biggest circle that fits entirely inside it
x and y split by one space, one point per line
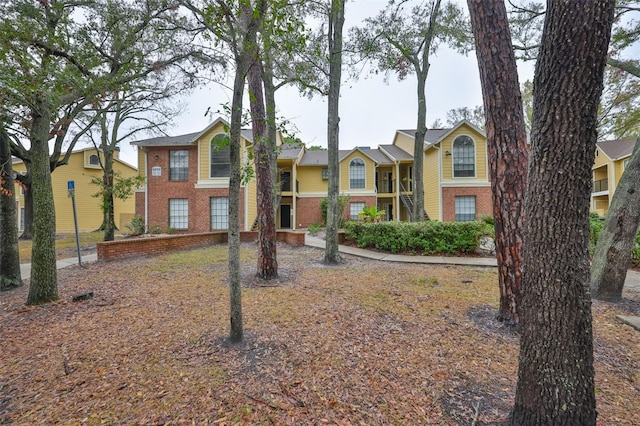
146 192
397 207
294 177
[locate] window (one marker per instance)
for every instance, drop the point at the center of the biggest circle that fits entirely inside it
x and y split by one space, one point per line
94 160
178 213
464 157
22 218
354 209
156 171
325 174
356 174
220 156
465 208
179 165
219 213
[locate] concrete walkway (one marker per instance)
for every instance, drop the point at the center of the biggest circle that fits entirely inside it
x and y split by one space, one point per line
25 268
632 282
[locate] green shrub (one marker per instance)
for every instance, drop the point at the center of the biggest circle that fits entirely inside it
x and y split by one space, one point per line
314 228
431 237
342 205
596 223
136 226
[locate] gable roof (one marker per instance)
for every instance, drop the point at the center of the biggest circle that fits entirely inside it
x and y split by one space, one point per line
395 152
617 149
189 138
321 157
434 136
289 151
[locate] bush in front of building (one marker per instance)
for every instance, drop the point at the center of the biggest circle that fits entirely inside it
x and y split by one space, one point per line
428 238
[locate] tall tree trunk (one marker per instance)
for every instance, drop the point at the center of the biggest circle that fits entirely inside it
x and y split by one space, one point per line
506 144
272 130
336 22
267 259
43 286
10 276
618 236
243 56
555 372
417 215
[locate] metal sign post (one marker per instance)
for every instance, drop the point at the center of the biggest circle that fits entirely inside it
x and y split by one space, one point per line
71 194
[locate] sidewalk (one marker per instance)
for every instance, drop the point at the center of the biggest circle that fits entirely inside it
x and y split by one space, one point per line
25 268
631 283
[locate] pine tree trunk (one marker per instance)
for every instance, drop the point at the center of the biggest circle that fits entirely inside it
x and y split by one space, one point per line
336 23
43 286
267 259
10 276
108 201
506 145
417 215
618 236
555 372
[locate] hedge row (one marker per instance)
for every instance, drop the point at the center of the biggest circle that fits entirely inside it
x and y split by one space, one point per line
431 237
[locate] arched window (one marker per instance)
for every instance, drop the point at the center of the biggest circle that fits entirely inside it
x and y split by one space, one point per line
220 156
356 174
94 160
464 157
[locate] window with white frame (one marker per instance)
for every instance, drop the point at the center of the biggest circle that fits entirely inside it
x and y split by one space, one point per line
464 157
219 213
325 173
220 161
465 208
357 171
178 213
354 209
179 165
94 160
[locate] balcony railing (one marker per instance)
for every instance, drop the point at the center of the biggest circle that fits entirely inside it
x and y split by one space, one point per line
601 185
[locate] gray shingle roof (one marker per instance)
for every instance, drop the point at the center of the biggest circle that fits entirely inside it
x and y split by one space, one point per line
315 158
377 155
187 139
289 151
432 135
618 148
396 152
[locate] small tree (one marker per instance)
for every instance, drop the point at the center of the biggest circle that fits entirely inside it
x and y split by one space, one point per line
10 276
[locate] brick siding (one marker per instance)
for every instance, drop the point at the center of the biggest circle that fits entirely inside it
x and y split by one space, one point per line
484 203
153 245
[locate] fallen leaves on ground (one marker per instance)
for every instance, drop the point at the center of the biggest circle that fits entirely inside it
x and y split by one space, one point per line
365 342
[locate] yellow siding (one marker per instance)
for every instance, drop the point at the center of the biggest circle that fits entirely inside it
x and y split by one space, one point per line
481 153
619 164
88 207
600 159
141 162
405 142
370 168
432 184
204 150
252 202
310 178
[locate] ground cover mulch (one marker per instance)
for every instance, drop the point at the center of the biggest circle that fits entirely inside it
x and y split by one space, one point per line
365 342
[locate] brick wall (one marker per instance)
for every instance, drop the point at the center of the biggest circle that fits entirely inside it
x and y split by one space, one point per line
161 190
152 245
484 203
308 211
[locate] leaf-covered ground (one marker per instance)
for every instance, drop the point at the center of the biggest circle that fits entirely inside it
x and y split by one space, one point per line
363 343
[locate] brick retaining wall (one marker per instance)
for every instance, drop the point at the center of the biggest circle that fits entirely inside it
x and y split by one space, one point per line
152 245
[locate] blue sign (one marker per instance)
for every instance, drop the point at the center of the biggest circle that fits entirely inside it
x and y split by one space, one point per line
70 185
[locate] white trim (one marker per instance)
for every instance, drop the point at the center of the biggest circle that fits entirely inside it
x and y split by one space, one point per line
440 183
199 158
612 182
458 184
246 208
212 183
599 194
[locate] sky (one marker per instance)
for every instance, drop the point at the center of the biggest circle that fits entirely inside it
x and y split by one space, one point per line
370 109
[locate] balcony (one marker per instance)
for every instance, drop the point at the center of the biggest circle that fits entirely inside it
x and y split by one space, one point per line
385 186
600 185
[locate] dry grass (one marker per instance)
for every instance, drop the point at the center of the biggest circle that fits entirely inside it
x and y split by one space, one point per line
362 343
65 245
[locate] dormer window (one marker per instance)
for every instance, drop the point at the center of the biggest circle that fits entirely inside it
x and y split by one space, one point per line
220 161
94 160
464 157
